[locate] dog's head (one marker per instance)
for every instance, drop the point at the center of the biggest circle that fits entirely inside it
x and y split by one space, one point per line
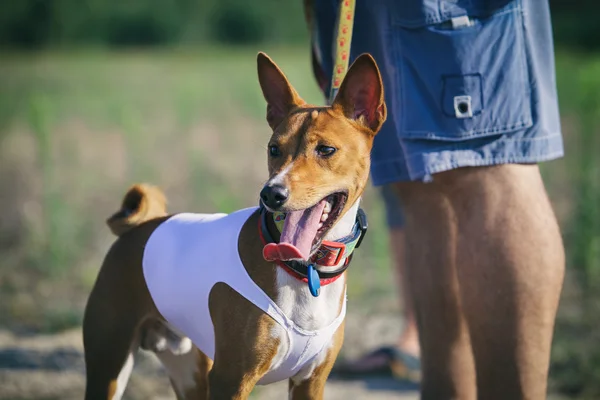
319 157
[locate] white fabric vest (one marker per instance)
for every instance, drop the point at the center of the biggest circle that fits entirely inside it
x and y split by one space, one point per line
187 255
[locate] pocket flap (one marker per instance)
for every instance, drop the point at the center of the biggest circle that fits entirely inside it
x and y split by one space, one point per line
470 82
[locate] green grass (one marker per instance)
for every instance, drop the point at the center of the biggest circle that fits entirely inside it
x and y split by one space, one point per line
77 128
576 354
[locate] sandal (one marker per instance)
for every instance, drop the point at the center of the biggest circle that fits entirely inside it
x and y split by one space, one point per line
393 363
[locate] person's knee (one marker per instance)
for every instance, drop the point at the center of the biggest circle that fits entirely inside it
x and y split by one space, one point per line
409 192
512 195
475 184
508 205
488 181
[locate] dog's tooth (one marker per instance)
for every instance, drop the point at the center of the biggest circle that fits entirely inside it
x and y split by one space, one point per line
324 217
327 208
320 225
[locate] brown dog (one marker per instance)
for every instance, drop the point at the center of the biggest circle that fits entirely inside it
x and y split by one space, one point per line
244 287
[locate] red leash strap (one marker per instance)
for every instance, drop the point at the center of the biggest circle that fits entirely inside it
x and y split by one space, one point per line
345 24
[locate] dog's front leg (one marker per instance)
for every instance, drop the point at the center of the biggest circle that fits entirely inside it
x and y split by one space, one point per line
223 385
313 388
244 347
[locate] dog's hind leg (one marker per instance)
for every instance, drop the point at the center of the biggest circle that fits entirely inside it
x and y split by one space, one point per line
110 338
109 360
107 378
186 365
117 387
119 303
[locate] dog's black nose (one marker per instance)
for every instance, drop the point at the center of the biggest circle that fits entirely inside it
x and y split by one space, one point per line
274 196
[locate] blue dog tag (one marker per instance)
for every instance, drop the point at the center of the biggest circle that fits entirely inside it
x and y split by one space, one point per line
314 283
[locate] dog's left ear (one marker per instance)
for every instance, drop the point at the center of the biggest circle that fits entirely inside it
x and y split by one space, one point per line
361 94
280 95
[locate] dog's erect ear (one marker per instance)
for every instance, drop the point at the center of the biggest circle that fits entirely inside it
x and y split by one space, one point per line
361 94
280 95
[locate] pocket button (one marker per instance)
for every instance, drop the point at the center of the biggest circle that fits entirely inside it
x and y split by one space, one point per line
462 107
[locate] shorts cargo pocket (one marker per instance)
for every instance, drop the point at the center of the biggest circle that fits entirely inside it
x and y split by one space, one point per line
462 72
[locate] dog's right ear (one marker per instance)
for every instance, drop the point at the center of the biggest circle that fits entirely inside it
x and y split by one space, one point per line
280 95
360 96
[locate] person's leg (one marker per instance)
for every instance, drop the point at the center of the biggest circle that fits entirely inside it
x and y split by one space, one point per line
497 227
498 112
408 341
431 234
402 357
409 337
510 263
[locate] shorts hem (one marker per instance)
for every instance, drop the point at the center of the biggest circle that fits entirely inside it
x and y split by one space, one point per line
389 171
426 175
421 165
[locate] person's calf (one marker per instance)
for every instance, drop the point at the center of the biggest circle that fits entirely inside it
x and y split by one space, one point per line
431 235
510 265
408 342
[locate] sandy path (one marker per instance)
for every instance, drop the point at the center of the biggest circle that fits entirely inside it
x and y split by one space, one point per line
51 367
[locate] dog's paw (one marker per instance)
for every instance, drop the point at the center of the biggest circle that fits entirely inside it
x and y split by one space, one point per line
179 344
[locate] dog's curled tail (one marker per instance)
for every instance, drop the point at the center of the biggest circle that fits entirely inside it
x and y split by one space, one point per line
141 203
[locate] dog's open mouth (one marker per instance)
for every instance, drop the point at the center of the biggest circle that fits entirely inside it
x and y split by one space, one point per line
304 230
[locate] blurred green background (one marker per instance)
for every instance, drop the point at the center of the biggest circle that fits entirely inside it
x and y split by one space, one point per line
98 94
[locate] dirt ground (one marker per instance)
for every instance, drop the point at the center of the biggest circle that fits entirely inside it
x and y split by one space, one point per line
51 367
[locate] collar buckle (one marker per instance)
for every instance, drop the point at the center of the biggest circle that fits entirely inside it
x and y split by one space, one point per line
323 255
363 225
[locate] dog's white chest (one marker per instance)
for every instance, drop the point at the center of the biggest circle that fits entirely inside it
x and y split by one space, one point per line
307 312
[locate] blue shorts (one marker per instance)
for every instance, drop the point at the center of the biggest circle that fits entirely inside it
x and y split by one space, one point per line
394 215
467 82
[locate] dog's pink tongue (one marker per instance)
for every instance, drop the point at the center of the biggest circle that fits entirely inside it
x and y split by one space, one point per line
299 231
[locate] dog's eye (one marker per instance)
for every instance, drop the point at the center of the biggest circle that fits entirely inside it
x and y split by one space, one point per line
325 151
274 151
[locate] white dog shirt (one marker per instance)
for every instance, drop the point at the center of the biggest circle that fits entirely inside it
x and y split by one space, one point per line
180 269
